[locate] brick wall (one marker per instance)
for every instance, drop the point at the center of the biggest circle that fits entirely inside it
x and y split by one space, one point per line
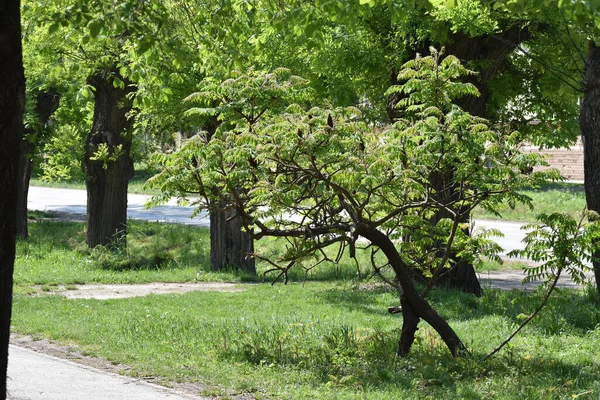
568 161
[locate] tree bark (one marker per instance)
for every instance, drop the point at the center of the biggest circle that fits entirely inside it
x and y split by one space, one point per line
107 180
46 104
414 306
589 122
12 101
230 245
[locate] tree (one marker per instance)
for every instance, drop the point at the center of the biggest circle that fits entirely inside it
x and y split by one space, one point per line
46 102
235 105
107 163
12 101
590 128
105 43
324 177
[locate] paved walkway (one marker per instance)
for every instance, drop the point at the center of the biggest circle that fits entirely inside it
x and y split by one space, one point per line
37 376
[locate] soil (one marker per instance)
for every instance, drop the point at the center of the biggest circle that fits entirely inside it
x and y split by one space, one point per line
121 291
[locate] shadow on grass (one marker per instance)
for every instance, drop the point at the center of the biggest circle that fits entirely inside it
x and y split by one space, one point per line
150 245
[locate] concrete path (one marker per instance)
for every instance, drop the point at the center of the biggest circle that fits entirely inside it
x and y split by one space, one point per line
74 201
37 376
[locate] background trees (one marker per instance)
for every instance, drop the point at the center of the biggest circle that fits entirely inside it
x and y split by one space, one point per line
12 102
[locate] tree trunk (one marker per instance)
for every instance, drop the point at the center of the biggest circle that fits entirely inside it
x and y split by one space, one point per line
414 306
589 121
107 179
12 101
230 245
46 104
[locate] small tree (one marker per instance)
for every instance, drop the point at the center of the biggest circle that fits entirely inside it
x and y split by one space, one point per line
324 177
561 244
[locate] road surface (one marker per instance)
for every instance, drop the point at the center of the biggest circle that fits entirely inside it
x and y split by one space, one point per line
74 201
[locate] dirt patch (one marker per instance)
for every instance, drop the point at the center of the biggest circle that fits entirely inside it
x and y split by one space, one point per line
121 291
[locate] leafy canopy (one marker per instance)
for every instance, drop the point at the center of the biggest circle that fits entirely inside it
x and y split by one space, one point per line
314 175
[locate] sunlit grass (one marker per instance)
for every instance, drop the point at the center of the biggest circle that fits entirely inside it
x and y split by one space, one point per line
332 340
558 197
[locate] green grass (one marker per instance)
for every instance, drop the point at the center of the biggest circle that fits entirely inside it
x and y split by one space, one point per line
329 337
557 197
56 253
331 340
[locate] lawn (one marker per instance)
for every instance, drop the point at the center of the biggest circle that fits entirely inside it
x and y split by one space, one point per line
326 337
556 197
331 340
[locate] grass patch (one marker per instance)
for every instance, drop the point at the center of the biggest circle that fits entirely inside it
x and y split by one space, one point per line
556 197
56 253
331 340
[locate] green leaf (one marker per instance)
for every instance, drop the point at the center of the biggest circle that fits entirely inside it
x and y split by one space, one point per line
95 27
145 45
118 83
53 28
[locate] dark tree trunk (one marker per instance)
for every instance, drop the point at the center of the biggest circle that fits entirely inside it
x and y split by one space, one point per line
47 103
12 101
414 306
589 121
230 245
107 180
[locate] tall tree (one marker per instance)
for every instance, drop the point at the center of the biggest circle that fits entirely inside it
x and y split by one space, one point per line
590 129
12 100
107 162
107 47
46 102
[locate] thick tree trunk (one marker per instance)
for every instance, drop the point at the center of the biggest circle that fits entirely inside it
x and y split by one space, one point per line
414 306
107 179
12 101
589 121
230 246
47 103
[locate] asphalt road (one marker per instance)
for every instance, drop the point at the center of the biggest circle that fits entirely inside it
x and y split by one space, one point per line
74 201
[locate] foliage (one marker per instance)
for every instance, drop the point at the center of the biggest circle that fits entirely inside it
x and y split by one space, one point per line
561 244
323 177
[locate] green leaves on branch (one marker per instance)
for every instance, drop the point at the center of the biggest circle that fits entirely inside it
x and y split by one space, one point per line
107 154
314 173
432 81
561 243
